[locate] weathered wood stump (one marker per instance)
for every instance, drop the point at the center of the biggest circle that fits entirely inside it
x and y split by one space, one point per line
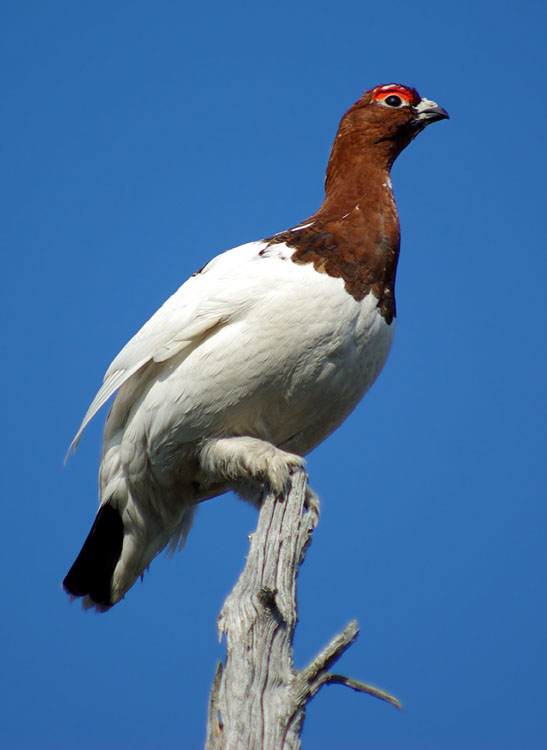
258 700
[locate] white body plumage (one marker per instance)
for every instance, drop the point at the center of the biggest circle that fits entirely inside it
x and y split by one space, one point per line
252 352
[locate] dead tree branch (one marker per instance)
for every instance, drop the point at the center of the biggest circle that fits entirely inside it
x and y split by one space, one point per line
258 700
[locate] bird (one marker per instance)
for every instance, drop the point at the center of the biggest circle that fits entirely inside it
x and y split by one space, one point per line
254 360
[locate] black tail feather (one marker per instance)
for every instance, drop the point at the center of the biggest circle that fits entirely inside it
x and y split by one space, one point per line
91 573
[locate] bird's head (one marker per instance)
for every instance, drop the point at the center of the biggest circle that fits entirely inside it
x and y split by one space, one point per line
385 119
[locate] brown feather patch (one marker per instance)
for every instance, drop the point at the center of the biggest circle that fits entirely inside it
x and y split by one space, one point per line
355 233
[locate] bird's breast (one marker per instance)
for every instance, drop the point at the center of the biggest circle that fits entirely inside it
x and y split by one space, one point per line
288 371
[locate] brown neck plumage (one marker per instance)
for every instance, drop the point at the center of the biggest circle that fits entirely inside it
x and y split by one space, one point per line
354 235
357 173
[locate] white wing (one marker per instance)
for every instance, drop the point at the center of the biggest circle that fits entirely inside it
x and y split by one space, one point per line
221 292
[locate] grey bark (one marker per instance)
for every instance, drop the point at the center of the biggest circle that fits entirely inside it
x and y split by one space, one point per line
258 700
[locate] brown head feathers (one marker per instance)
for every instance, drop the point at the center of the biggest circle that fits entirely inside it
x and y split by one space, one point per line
354 235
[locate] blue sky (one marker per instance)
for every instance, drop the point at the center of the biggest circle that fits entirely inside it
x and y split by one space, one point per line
138 141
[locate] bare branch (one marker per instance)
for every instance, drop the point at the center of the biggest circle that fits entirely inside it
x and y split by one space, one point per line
361 687
310 679
258 700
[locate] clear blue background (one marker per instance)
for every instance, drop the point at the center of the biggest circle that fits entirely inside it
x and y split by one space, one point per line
139 140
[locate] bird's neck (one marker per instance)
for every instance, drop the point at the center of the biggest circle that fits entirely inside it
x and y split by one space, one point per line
357 175
354 234
359 207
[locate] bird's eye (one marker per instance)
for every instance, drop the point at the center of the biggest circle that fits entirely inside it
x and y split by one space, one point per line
395 96
393 101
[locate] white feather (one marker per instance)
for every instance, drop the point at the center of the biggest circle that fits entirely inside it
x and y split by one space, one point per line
204 301
253 360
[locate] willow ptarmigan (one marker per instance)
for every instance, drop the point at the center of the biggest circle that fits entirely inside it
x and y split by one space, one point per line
255 360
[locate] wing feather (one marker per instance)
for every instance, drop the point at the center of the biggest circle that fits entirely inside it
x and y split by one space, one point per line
212 298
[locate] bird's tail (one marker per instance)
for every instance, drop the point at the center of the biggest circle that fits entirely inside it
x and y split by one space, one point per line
91 574
118 549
